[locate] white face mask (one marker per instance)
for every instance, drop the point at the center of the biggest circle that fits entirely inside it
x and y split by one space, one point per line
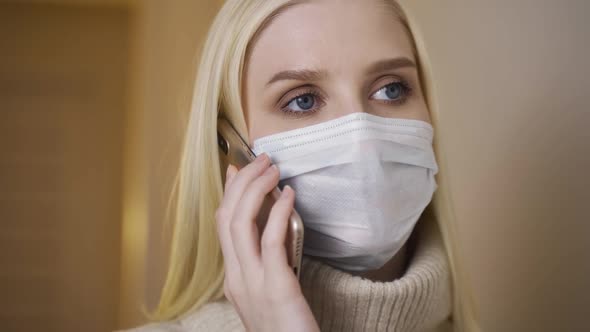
361 182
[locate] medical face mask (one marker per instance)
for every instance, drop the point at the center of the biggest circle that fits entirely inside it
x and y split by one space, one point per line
361 182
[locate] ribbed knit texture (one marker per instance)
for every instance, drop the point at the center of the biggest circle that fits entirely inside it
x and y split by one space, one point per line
418 301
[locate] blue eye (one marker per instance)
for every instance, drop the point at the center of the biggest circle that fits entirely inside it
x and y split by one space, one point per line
391 92
302 103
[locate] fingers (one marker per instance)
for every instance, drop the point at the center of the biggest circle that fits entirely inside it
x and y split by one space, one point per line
274 255
243 228
241 180
223 217
260 285
229 176
236 185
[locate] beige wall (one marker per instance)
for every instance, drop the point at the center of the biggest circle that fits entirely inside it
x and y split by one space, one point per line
62 106
513 85
166 36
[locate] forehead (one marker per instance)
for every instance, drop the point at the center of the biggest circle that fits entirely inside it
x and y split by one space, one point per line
330 34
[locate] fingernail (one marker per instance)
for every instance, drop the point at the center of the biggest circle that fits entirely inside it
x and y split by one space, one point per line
287 192
271 169
230 172
261 159
227 171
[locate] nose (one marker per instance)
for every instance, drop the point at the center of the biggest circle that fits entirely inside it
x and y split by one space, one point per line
350 102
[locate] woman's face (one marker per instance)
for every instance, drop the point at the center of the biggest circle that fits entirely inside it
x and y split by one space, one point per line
321 60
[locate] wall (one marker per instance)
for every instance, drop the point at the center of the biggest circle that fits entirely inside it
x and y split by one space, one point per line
513 84
166 39
62 105
97 128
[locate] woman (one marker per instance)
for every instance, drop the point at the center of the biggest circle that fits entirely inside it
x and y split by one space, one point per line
340 86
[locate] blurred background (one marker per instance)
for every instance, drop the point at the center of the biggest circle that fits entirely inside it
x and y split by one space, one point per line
94 98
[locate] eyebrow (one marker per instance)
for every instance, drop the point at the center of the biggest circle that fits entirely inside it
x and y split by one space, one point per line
317 75
390 64
298 75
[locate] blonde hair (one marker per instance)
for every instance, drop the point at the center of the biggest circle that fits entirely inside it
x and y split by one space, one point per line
195 273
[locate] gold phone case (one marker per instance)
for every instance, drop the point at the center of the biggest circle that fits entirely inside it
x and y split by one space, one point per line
233 149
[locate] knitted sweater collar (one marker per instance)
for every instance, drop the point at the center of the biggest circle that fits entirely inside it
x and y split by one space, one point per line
419 300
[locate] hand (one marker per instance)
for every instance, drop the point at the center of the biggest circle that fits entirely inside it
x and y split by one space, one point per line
258 280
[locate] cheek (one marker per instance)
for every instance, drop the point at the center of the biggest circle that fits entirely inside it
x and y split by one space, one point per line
427 118
412 110
258 124
416 109
254 114
262 121
422 113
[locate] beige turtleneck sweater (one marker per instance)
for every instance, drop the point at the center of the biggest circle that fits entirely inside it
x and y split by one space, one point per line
418 301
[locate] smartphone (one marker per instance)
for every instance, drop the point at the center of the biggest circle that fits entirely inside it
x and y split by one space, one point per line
233 149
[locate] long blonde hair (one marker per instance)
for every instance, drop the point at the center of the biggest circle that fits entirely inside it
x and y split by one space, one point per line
195 273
